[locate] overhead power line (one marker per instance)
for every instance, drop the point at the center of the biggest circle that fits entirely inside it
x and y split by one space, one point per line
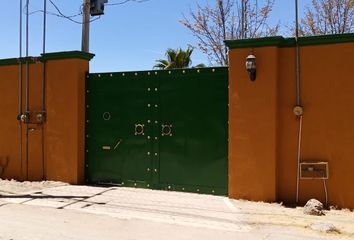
70 18
60 14
125 1
54 14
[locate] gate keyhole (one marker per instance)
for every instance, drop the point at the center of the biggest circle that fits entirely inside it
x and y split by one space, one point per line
139 129
166 130
107 116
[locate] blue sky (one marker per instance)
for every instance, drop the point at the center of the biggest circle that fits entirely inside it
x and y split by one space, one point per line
128 37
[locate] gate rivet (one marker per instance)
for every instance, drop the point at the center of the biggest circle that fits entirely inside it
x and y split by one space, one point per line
149 121
213 191
148 169
135 184
136 74
198 71
197 190
149 89
87 106
155 170
156 105
87 135
87 151
155 73
149 73
88 91
99 75
155 154
123 74
156 122
86 165
169 72
169 187
156 89
182 189
148 137
149 105
148 185
87 121
213 70
122 183
155 138
184 71
148 153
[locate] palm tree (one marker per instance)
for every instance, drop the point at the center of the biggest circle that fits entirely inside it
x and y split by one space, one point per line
176 59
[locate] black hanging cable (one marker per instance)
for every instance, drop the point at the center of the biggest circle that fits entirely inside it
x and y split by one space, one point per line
126 1
61 14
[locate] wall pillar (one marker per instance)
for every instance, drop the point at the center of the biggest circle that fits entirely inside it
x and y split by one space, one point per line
252 125
263 130
65 126
64 129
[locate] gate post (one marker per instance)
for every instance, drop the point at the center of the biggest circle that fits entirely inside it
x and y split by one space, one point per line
253 121
65 120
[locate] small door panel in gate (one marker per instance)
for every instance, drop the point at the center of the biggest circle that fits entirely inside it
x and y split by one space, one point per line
117 141
193 156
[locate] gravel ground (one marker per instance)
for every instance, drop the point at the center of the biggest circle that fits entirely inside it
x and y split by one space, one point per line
54 210
13 186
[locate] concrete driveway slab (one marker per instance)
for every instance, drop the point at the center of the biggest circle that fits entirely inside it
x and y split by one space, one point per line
150 214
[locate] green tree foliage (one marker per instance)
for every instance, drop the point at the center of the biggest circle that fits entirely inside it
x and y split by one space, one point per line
177 58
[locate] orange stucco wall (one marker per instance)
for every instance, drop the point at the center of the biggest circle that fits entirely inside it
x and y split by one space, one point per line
10 127
65 127
264 131
252 126
56 148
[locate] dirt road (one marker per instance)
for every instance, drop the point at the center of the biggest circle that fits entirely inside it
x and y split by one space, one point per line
58 211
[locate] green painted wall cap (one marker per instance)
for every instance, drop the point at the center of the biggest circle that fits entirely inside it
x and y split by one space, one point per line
279 41
47 57
67 55
15 61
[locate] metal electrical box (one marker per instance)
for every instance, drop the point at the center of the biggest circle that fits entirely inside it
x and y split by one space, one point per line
314 170
97 7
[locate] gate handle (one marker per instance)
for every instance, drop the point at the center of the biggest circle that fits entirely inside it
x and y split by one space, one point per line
139 129
117 144
166 130
108 148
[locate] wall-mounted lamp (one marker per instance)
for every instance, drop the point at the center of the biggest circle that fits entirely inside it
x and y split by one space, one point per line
251 66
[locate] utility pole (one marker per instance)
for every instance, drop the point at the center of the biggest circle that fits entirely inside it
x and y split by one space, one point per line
85 42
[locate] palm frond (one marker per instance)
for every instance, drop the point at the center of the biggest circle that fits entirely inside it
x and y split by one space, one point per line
177 58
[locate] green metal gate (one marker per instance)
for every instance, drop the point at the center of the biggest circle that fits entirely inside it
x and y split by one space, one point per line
159 129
